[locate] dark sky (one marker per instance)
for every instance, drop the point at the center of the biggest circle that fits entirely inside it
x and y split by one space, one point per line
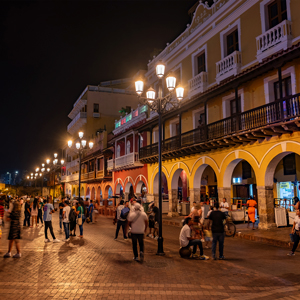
50 51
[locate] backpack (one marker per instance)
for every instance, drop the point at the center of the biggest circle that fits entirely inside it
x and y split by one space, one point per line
124 213
72 215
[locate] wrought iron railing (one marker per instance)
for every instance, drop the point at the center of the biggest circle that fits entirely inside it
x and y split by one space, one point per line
284 110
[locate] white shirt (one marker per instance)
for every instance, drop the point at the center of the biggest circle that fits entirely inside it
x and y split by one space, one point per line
138 226
185 233
119 209
66 209
224 206
297 222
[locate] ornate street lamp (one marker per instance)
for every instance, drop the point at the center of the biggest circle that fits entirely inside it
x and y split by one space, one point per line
79 149
160 105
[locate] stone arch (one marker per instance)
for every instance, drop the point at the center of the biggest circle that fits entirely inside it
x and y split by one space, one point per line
176 171
77 191
82 192
73 193
119 187
88 193
108 191
139 186
98 196
127 186
156 182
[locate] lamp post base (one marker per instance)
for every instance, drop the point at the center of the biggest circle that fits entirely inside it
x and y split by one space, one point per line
160 246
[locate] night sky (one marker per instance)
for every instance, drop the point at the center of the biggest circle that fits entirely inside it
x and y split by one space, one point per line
50 51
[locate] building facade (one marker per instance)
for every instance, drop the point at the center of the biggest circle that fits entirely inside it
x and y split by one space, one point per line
236 133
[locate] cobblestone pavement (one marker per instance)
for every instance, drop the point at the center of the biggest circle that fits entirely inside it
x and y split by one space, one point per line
98 267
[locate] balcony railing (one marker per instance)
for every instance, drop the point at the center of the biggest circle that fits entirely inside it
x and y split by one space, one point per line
199 82
228 66
277 38
68 178
129 160
110 164
78 121
284 110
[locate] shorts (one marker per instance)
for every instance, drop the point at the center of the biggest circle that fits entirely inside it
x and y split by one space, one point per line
151 224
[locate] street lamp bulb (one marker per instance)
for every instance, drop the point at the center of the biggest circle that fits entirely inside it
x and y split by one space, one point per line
48 169
31 174
17 172
139 87
171 82
179 92
91 145
54 162
78 145
36 174
55 155
160 70
27 177
48 161
80 133
83 143
69 143
43 165
41 174
37 169
150 95
62 161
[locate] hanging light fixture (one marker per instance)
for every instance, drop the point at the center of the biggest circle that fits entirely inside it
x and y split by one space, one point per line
160 70
139 87
179 92
150 95
171 82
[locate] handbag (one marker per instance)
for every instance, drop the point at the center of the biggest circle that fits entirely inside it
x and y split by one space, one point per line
292 237
79 221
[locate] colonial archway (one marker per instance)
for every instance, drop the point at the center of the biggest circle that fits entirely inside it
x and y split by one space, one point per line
82 193
165 191
140 186
87 193
98 193
93 194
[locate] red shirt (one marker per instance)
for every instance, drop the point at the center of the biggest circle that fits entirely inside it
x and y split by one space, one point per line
1 211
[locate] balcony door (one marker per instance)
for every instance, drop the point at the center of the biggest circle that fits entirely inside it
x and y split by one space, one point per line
277 12
235 109
232 42
286 91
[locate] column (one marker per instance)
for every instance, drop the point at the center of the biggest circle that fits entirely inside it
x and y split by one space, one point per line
224 192
194 196
173 201
266 207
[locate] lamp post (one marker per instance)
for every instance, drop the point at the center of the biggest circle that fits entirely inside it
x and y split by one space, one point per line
52 167
80 148
160 105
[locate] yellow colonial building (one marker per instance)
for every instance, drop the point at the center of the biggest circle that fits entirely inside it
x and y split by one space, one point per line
236 132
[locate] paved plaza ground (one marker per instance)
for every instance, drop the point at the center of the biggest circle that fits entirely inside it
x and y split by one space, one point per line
98 267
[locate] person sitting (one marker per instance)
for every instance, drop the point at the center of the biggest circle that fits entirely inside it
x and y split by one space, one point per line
186 240
224 206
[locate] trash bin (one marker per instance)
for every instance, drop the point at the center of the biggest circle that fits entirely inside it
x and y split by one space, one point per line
185 208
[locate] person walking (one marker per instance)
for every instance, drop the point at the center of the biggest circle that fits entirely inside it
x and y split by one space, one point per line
27 213
48 211
80 217
138 222
14 230
40 211
66 221
61 207
72 220
34 211
217 227
121 218
252 204
296 232
91 210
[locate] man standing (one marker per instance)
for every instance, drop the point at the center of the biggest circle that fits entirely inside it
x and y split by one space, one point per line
224 206
138 222
66 221
27 213
91 210
61 207
40 211
48 211
217 227
186 240
121 219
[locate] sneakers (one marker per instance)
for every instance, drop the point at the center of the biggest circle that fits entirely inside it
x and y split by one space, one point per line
291 254
65 240
195 256
142 256
47 241
156 237
204 257
56 241
17 255
8 254
222 257
60 230
136 259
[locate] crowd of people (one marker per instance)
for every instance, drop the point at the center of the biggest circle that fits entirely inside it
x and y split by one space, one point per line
38 212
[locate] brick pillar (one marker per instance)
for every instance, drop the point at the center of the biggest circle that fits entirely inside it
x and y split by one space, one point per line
194 196
224 192
173 201
266 207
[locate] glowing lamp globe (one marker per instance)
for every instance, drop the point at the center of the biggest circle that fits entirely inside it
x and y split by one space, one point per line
150 95
179 93
91 145
78 145
171 82
160 70
139 87
70 144
80 134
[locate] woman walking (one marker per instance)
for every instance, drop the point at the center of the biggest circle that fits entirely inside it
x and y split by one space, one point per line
296 232
15 230
80 217
34 212
73 217
252 204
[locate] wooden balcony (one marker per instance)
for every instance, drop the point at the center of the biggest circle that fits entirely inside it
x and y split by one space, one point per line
272 119
95 176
